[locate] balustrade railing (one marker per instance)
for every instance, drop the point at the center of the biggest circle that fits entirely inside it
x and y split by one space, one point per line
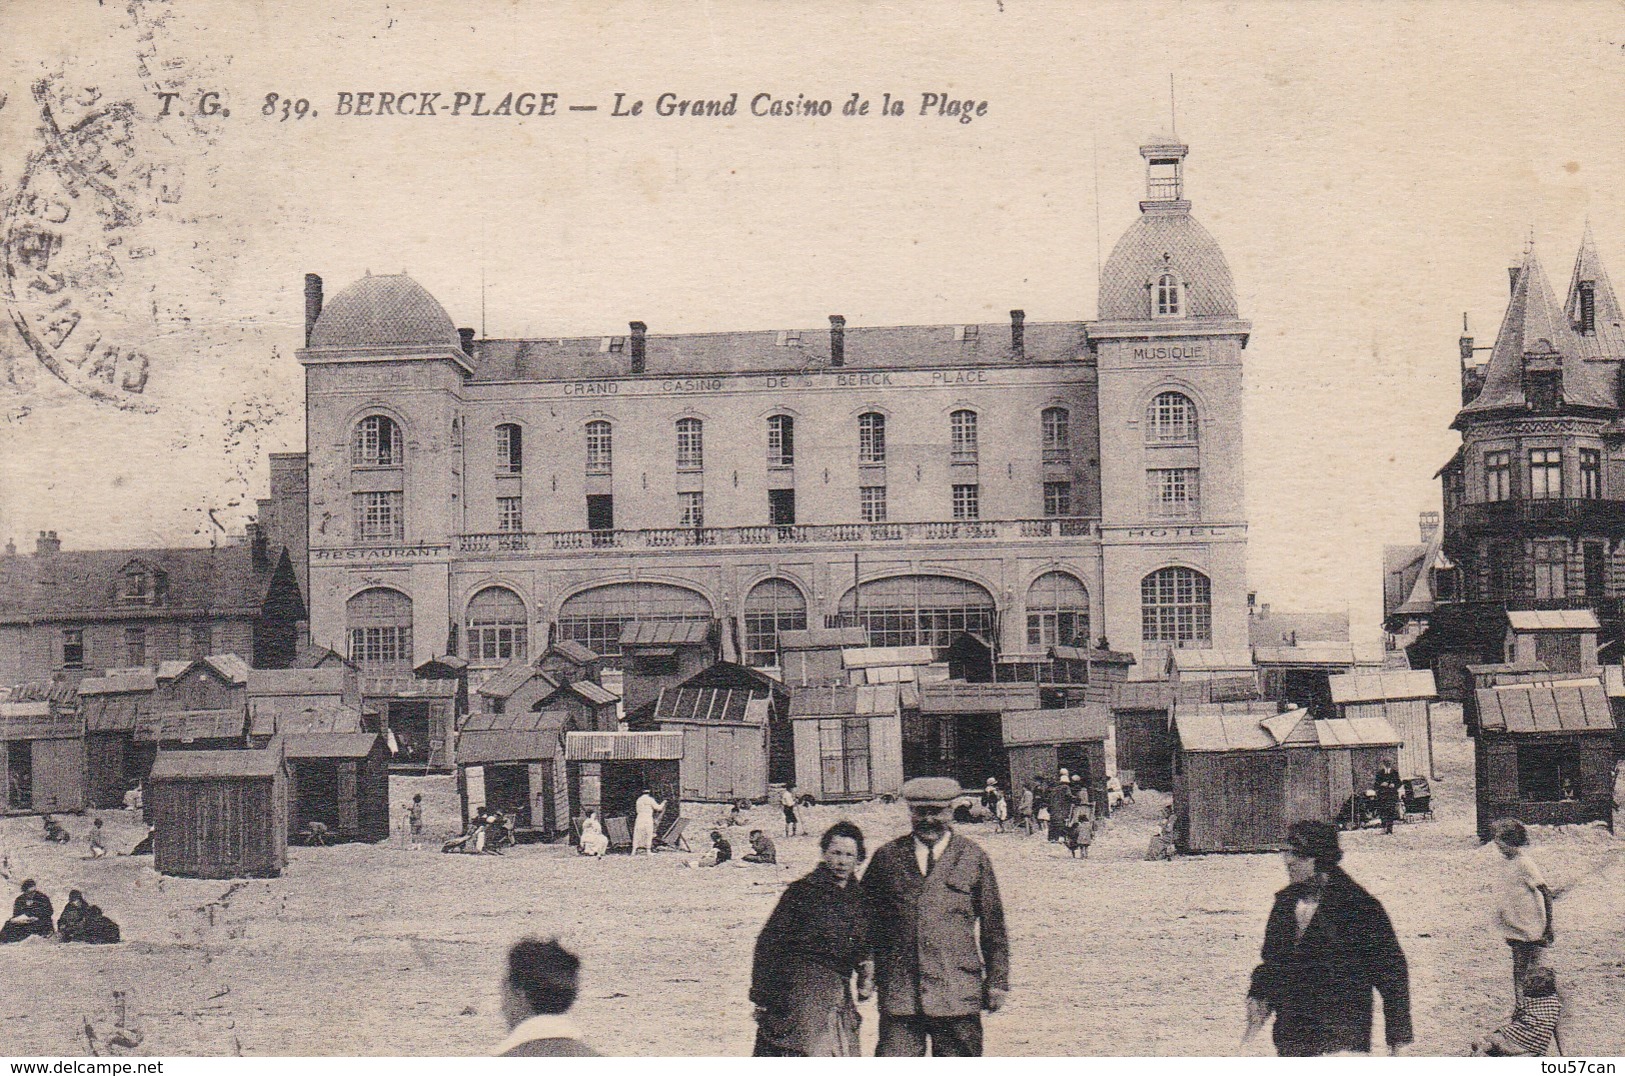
797 534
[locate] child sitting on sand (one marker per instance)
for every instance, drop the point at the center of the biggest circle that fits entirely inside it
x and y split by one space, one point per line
1533 1023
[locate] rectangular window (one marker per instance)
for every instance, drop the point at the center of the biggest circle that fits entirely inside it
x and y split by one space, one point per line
202 641
1545 474
690 445
1057 499
73 648
1504 558
1057 435
967 502
510 450
1544 389
1174 492
781 441
692 509
378 517
781 507
871 437
843 747
1551 568
380 645
510 514
962 427
601 513
600 445
496 642
1497 476
135 646
1590 474
872 503
1596 565
1548 773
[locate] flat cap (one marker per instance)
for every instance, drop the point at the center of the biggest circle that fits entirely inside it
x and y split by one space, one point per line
931 791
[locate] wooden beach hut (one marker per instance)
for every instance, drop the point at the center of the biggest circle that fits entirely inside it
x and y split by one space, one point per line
593 706
848 741
220 814
1404 699
1090 675
812 656
1185 666
1564 639
1298 674
1545 754
419 714
515 687
608 770
114 761
340 779
1494 674
1041 743
959 732
662 653
514 762
42 756
1144 741
725 740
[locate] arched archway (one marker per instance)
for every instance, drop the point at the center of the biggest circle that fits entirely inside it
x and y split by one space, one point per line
919 610
595 617
497 627
1057 611
1176 607
772 606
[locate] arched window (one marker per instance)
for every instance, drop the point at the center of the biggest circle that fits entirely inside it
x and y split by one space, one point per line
781 441
1167 289
595 617
1057 611
772 606
379 621
690 444
1170 417
1176 607
600 447
497 625
1057 424
377 442
510 449
962 431
871 437
919 610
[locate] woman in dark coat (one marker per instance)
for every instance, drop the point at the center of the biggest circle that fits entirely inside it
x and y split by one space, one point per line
72 920
1328 944
814 942
31 913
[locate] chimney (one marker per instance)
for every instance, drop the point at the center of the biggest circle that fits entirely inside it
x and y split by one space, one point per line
466 338
47 543
1512 279
258 545
640 333
313 303
1018 331
837 340
1429 523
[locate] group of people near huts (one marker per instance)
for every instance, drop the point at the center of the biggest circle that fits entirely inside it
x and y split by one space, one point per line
489 831
1063 809
32 915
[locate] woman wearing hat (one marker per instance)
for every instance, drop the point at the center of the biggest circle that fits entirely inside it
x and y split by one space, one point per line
1328 944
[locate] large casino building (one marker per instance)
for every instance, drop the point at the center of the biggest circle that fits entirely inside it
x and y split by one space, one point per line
1036 483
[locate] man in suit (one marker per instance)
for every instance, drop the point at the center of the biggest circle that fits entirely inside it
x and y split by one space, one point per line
538 990
941 953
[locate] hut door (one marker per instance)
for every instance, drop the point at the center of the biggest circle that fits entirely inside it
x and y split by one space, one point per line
1339 780
59 775
1560 651
720 761
1254 801
349 799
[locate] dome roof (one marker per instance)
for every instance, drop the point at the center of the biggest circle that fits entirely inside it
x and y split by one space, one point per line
1166 236
384 311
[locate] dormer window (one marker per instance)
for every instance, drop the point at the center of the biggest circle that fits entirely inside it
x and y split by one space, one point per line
967 334
1544 389
612 345
1166 298
790 338
141 585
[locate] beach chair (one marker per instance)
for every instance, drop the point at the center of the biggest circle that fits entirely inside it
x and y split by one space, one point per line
619 836
673 837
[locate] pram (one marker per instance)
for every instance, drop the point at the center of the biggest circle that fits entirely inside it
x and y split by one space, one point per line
1417 798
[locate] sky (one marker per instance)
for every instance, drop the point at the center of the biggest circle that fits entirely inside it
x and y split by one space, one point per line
1370 171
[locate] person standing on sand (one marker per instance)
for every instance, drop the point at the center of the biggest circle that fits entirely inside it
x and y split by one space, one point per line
787 801
414 819
643 831
942 956
541 984
1387 785
1524 902
1327 945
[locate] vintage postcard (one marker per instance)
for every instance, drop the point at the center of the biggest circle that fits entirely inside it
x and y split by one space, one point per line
991 528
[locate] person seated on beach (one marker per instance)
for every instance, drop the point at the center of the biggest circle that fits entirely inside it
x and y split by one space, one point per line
72 920
31 913
132 798
54 831
316 834
720 851
1114 792
593 841
1534 1020
761 849
143 847
98 846
98 929
736 814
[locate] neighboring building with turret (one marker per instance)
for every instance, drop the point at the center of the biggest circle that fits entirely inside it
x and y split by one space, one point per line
1036 484
1534 500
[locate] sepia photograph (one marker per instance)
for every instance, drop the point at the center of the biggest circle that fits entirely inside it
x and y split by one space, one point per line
997 528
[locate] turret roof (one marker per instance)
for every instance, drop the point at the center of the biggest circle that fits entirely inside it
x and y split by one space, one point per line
1607 341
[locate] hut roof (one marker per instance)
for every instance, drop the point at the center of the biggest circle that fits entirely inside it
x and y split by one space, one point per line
1356 732
1218 689
1083 653
666 633
958 697
870 657
616 746
407 687
184 765
171 725
1546 706
61 692
1290 727
1075 724
712 706
37 720
1211 660
168 670
823 639
594 694
1142 695
328 680
229 667
1507 667
440 663
1613 681
1322 655
839 700
510 678
571 650
331 744
1527 620
1383 686
111 713
1215 732
118 683
269 716
515 737
313 656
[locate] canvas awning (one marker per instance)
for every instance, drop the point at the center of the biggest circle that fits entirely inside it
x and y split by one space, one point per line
712 706
644 633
